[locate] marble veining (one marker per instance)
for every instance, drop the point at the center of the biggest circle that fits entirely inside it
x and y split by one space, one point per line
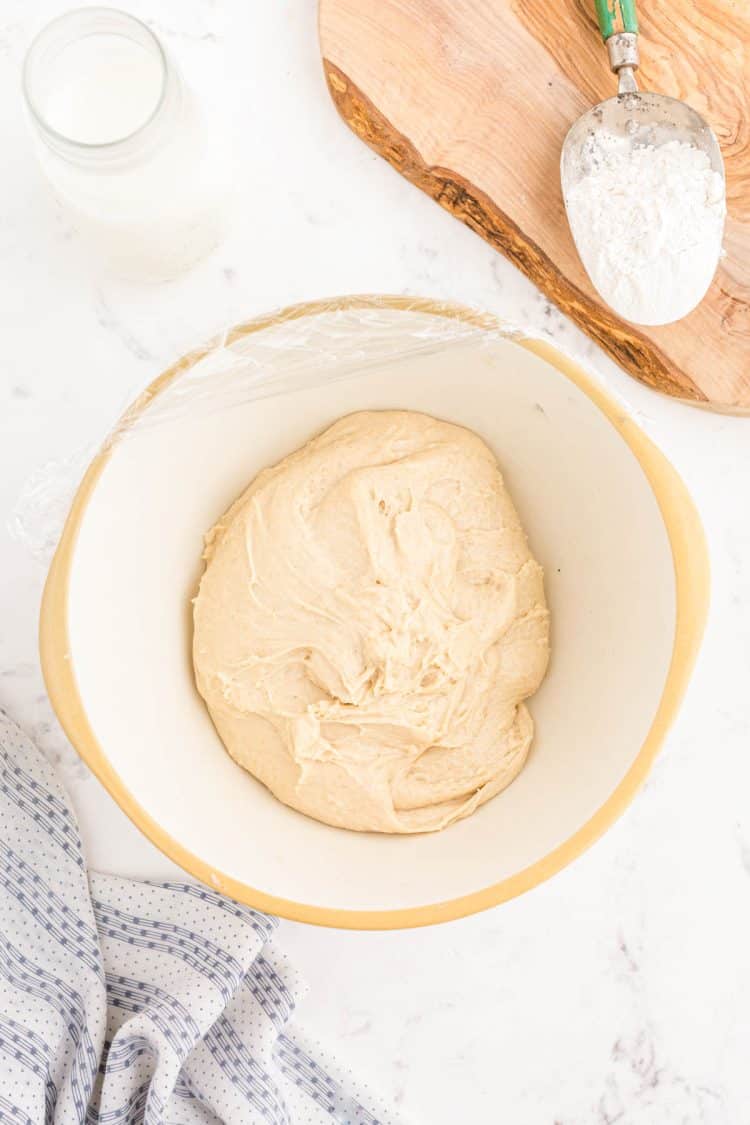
619 992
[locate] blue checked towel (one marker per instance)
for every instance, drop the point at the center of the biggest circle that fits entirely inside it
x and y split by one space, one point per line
124 1002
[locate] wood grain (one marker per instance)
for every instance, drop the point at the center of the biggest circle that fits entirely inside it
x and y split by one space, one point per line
471 102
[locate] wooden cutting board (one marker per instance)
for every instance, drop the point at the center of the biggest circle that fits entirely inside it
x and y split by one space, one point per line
471 100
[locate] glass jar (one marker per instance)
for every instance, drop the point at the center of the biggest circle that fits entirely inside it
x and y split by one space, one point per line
123 142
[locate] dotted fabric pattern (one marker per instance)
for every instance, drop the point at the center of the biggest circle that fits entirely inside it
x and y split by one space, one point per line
125 1002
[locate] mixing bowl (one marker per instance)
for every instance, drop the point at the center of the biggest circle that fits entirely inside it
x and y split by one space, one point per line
608 517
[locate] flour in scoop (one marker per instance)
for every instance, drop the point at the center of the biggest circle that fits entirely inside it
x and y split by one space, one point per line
648 222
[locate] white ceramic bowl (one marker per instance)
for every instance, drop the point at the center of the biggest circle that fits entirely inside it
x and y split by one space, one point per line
626 578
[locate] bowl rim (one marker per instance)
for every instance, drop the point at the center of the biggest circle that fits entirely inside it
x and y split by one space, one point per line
692 585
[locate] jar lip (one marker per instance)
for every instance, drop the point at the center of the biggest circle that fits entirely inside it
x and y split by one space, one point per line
39 41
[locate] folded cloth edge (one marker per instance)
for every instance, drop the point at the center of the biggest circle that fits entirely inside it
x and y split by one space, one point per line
129 1002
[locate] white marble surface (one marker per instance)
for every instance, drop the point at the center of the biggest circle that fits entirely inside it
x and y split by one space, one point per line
620 990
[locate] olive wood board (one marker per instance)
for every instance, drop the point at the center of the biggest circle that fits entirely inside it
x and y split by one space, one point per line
471 101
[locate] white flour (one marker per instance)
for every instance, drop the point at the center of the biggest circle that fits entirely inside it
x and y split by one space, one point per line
648 223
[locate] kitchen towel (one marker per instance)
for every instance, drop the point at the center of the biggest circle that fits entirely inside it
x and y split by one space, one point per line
126 1002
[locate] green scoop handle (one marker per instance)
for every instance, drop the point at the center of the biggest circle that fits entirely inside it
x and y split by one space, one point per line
606 14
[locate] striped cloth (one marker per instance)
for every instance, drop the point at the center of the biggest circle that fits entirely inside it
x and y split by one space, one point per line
124 1002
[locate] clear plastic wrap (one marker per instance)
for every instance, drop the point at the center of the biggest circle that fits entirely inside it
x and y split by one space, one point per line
299 347
303 347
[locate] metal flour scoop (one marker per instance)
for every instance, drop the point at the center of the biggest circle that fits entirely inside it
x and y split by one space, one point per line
635 118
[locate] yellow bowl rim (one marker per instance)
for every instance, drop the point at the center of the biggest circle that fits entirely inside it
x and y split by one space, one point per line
692 581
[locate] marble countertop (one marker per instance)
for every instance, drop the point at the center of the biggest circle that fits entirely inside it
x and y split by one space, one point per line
620 990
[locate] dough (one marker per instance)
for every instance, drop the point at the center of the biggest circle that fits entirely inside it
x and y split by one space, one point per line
369 621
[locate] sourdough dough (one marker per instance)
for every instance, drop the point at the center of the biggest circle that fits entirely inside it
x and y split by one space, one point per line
369 621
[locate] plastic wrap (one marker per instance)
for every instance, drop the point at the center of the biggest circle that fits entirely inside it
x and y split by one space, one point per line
300 348
296 348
